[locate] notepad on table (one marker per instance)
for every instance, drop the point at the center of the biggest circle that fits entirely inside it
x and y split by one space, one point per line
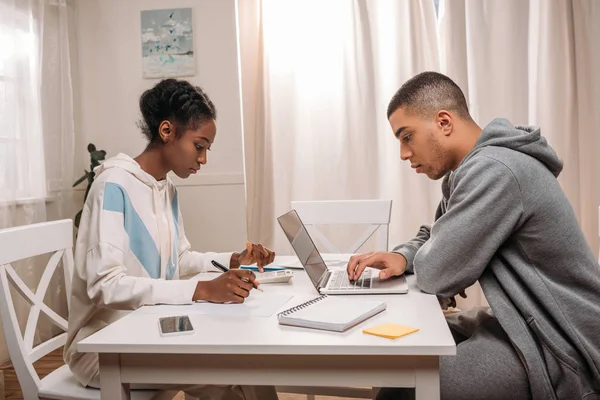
390 331
331 313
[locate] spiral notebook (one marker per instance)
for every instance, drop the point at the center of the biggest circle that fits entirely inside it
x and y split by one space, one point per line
331 313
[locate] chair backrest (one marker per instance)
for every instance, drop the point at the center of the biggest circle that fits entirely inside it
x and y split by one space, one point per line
18 244
373 214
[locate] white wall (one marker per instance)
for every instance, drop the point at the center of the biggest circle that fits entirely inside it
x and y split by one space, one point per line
109 47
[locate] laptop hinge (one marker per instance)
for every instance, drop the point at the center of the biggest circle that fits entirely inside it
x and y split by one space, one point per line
324 279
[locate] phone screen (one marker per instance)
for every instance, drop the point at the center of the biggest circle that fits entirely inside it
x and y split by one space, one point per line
180 323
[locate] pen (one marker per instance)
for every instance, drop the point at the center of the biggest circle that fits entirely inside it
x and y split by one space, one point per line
266 269
225 269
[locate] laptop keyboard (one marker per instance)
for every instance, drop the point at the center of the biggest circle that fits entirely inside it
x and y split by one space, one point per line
339 281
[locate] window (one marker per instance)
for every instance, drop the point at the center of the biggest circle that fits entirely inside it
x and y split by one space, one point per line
21 141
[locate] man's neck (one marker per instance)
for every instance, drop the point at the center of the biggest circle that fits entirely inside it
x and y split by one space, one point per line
470 134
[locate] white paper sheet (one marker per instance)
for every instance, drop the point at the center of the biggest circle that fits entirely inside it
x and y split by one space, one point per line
257 305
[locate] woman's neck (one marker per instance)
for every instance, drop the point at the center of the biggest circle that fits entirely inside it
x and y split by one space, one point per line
152 162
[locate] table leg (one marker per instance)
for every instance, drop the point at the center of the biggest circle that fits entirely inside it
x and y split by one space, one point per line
374 392
111 387
1 385
427 380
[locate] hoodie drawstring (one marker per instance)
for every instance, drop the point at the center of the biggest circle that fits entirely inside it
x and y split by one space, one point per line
170 223
161 230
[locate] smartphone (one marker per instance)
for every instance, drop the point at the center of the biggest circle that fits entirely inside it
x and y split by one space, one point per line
171 326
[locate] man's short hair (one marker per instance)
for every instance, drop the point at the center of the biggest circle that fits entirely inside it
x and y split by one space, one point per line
427 93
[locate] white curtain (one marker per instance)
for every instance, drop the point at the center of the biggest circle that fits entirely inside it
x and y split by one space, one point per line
534 62
36 131
317 76
316 79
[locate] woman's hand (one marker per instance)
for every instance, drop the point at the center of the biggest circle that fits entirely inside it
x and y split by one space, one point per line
232 286
253 253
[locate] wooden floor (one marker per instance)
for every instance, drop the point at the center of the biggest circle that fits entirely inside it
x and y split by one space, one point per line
12 390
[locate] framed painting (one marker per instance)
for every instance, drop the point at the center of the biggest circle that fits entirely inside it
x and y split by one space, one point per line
167 43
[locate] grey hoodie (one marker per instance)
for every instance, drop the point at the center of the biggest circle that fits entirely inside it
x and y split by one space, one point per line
504 221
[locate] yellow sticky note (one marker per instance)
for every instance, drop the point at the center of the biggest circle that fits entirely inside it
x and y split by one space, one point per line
390 331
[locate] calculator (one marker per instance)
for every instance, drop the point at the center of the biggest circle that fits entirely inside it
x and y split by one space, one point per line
274 276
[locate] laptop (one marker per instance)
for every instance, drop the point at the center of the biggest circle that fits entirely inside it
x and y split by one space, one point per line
333 281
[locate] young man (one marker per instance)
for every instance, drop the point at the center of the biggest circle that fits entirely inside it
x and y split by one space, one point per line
505 222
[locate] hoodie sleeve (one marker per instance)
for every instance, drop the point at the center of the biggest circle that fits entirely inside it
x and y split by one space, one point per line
105 262
410 248
109 286
193 262
483 210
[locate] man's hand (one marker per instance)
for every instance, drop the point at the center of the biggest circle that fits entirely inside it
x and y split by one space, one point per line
232 286
253 253
451 302
390 264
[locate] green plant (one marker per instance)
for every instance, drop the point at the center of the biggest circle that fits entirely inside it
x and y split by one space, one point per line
95 157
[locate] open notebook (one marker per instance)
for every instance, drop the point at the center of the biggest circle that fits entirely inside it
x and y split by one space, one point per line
331 313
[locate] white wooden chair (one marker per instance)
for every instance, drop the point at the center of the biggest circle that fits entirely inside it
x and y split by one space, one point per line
374 215
29 241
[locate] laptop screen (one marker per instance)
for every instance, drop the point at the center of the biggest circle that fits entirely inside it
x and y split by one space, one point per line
303 245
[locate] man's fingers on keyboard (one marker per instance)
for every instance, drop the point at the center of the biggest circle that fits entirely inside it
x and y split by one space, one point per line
361 264
353 264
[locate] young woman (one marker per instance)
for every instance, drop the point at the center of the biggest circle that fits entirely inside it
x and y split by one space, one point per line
131 247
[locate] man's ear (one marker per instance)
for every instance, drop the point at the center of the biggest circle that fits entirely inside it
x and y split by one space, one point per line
166 131
445 121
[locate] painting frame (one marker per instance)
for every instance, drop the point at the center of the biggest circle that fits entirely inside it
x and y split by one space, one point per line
167 41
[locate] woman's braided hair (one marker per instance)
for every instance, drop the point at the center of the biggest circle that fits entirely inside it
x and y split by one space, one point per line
184 105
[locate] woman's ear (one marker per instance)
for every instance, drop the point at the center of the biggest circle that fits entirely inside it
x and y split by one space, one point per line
166 131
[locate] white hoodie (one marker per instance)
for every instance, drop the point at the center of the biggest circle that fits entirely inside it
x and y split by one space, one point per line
131 251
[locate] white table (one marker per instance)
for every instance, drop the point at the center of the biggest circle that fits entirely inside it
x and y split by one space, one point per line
228 350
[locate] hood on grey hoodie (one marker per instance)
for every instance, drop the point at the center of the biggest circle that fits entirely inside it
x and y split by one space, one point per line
525 139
